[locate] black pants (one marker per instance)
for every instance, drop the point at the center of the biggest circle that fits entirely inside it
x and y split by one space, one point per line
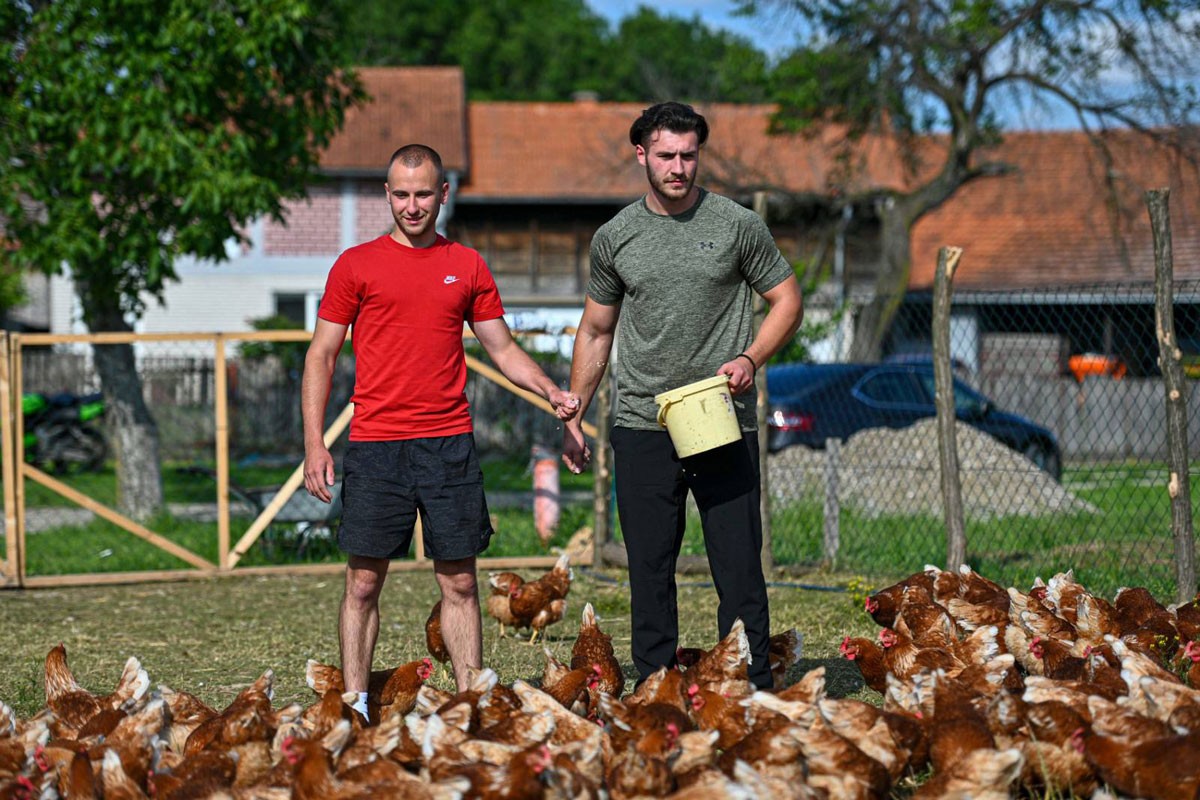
652 485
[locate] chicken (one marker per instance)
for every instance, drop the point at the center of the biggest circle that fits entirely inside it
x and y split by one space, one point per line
498 606
1134 605
903 656
187 712
571 687
540 603
115 783
783 652
1155 769
869 658
956 727
838 765
568 727
520 777
593 648
883 604
925 621
664 685
980 775
715 712
434 642
652 728
1187 618
208 772
73 705
633 773
725 668
248 717
1057 661
389 691
872 730
1036 618
1191 656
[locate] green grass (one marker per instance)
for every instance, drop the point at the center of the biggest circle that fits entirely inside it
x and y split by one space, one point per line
1127 542
212 637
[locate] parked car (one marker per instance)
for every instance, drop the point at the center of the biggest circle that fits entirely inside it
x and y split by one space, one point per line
814 402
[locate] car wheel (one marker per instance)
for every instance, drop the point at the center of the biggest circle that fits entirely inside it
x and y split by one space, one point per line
1044 458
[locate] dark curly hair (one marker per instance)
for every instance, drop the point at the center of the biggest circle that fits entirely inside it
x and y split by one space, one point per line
670 116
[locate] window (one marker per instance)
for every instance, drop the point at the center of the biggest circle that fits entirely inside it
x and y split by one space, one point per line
299 308
892 389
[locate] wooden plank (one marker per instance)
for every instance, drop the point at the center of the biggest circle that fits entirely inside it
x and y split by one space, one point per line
221 411
8 565
497 377
131 338
285 492
158 576
120 520
16 375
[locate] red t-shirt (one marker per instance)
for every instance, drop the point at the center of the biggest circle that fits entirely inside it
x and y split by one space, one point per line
407 307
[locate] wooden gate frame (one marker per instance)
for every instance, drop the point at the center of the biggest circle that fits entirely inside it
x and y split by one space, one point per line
16 471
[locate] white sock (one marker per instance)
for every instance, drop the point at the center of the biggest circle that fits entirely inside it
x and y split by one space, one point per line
360 705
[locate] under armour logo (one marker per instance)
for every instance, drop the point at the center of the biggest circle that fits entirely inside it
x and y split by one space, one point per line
450 279
707 245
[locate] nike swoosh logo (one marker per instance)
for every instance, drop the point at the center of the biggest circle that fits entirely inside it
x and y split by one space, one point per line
450 279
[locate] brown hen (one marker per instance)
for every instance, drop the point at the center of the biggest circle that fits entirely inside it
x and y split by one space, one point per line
434 643
389 691
593 648
73 705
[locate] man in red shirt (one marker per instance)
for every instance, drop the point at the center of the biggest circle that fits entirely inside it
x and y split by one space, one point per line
407 295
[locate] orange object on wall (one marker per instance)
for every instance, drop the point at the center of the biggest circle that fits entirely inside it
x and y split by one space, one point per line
1085 364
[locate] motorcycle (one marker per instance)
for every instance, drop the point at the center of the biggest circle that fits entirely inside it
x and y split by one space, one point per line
59 435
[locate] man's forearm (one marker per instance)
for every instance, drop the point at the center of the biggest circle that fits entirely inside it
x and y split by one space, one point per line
589 359
777 329
314 398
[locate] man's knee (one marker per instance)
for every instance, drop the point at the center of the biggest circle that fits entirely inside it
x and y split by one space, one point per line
457 580
364 585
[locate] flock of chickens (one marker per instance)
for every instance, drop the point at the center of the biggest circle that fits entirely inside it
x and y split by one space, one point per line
987 692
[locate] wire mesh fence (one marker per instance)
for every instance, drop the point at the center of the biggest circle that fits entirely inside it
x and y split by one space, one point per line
1061 442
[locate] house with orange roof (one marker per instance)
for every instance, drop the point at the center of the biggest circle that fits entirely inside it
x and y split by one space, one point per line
531 182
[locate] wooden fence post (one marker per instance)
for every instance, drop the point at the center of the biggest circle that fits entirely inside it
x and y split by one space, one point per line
943 379
602 470
1170 362
760 382
8 449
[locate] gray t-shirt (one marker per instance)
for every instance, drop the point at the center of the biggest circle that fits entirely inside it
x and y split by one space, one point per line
685 287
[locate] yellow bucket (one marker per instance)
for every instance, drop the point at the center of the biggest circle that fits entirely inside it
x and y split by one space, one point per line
699 416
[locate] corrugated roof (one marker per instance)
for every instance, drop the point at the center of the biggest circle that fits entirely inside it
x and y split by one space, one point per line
408 104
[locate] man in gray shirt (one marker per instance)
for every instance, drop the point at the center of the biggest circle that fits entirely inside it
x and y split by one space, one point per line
679 268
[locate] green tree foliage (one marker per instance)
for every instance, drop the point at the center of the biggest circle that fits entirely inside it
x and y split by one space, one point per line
133 132
538 50
508 49
951 67
674 58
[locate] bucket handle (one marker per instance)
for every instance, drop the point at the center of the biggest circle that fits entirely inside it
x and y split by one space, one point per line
662 412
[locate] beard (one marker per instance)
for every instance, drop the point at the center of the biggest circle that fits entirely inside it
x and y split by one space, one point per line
660 185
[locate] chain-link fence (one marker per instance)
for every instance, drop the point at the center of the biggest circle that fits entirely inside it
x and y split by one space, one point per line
1061 441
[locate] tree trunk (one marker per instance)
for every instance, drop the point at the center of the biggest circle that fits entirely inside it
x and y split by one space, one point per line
876 317
134 434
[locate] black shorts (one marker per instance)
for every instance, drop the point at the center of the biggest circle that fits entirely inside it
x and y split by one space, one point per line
387 483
